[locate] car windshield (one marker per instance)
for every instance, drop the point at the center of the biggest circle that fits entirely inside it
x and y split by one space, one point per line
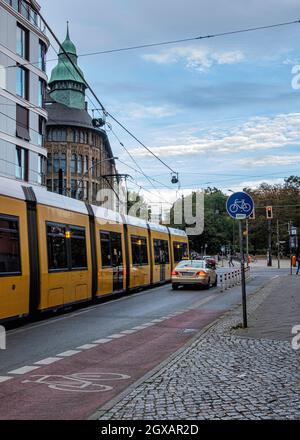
191 263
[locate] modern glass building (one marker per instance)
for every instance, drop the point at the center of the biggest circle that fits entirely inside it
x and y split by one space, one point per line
23 83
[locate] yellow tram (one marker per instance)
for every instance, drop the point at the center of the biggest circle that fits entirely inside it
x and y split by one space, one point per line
56 251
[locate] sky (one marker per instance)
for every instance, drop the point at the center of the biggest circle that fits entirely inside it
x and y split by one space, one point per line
221 112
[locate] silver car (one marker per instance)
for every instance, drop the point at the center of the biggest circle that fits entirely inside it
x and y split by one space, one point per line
194 272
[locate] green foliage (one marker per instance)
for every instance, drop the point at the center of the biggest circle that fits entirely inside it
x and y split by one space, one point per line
220 229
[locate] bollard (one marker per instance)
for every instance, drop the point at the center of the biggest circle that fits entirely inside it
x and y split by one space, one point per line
221 283
225 281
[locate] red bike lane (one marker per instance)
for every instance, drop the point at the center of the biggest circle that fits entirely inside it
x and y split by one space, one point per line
73 388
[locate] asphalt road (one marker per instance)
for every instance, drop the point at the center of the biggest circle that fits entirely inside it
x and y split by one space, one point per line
68 366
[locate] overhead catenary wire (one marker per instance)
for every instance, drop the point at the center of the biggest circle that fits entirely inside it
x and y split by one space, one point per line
150 179
171 42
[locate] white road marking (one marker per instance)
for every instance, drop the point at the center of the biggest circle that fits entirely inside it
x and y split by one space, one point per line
4 378
69 353
78 382
128 332
23 370
48 361
157 320
86 346
147 324
138 327
102 341
116 336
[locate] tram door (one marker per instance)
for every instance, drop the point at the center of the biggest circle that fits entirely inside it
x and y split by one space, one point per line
162 272
161 256
117 261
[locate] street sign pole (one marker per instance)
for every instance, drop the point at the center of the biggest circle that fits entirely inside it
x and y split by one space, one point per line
240 206
244 293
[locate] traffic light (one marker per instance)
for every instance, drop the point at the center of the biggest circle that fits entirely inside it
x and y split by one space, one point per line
269 212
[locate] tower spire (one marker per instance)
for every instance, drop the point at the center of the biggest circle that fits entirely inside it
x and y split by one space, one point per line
68 33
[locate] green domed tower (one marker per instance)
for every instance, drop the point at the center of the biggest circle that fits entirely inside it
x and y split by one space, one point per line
66 85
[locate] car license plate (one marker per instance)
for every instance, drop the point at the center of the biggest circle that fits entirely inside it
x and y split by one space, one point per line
187 274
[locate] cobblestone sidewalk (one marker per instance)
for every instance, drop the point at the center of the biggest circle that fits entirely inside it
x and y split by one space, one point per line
225 374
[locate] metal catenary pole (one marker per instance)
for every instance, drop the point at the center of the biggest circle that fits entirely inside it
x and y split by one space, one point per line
270 243
278 245
243 279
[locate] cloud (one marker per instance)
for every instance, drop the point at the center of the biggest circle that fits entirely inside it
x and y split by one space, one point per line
140 111
252 184
196 58
258 134
285 160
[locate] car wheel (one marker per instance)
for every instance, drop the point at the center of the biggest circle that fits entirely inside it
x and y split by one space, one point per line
175 287
207 287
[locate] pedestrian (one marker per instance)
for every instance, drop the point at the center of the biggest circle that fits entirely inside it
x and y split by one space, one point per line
231 260
298 264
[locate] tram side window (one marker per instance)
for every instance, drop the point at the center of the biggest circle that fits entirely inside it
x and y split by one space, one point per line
57 247
78 248
105 249
10 261
116 249
139 251
161 251
111 249
180 251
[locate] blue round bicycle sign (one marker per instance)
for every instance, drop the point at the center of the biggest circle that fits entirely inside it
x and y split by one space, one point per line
240 205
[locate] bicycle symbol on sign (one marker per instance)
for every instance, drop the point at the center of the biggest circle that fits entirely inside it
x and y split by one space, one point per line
79 382
240 205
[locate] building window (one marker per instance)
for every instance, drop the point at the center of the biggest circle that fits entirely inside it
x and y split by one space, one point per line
42 55
41 169
33 17
42 90
60 162
53 185
86 164
74 163
15 4
74 189
21 164
86 191
49 163
41 131
22 86
76 136
57 135
22 48
93 167
22 122
24 8
139 250
10 260
80 164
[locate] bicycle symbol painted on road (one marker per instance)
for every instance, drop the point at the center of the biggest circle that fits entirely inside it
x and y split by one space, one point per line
240 205
79 382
